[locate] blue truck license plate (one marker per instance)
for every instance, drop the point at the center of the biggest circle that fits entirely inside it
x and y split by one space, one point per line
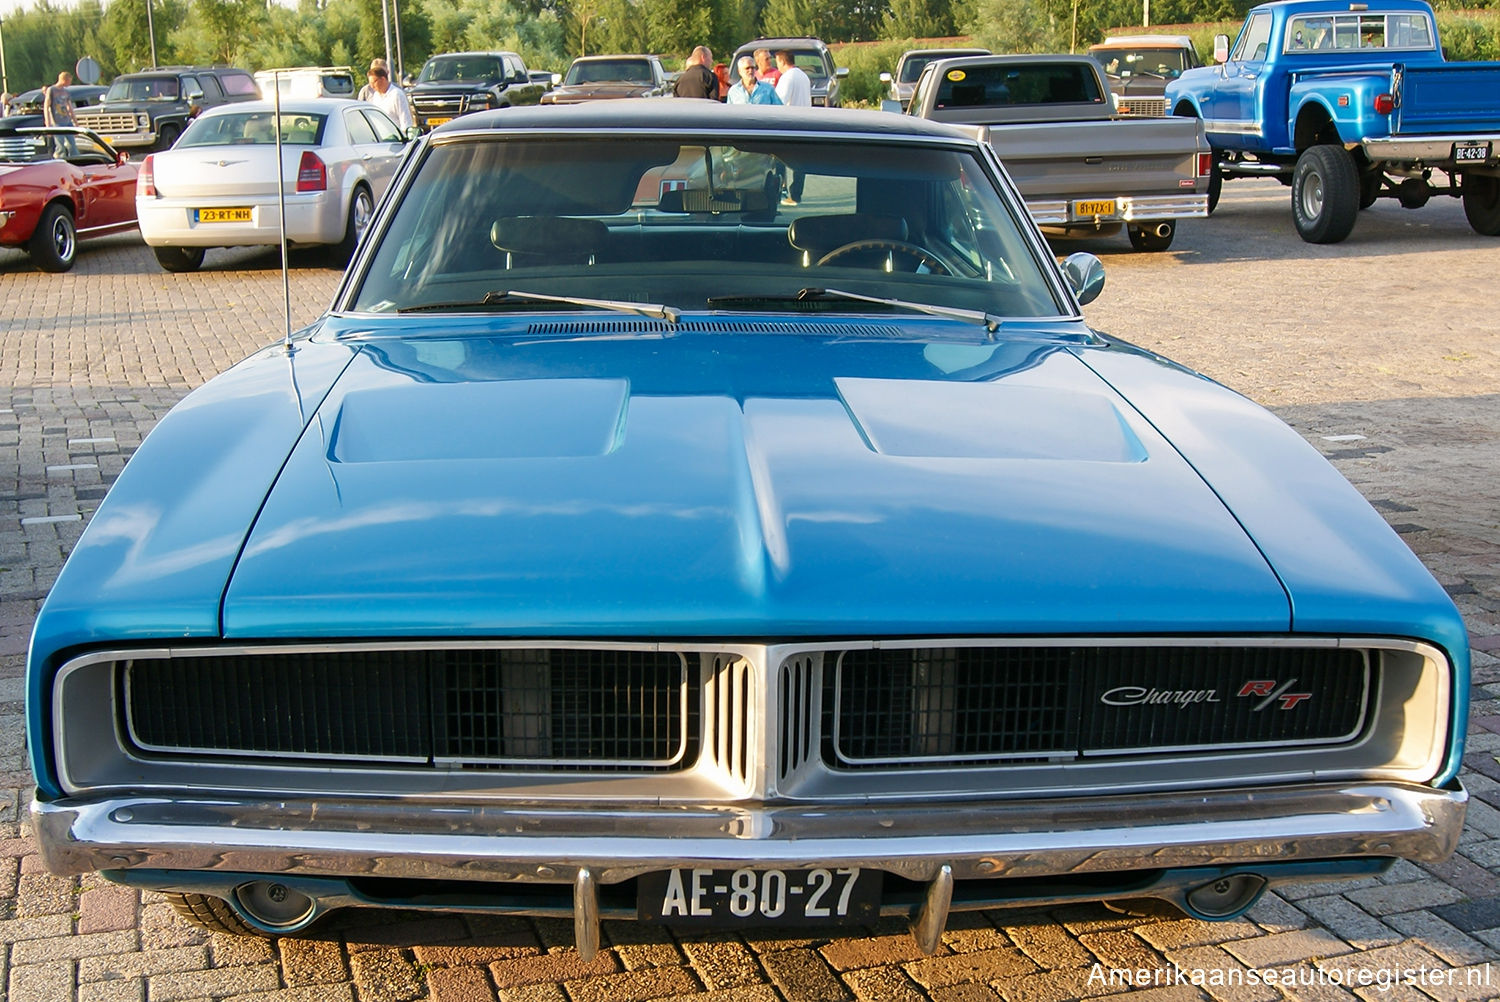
822 896
1471 153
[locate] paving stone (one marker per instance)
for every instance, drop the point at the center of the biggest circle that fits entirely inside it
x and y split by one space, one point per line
319 993
1223 977
1286 947
745 993
51 982
802 976
963 993
1179 933
109 908
982 967
557 967
126 990
216 981
544 992
883 984
634 986
1429 931
139 965
41 927
642 944
1470 915
1122 949
38 951
1349 922
311 962
385 974
459 984
873 951
234 951
512 944
723 963
1274 914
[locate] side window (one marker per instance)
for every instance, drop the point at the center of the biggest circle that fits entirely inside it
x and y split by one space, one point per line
1254 40
211 89
239 84
385 129
919 93
360 132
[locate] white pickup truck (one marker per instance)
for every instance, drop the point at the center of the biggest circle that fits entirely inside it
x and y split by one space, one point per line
1081 167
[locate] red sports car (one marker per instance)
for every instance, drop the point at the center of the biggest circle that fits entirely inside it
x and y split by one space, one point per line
58 185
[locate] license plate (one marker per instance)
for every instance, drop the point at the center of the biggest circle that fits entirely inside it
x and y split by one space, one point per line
1471 153
433 123
235 215
760 897
1098 207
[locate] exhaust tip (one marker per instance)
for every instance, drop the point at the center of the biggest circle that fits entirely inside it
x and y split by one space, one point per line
1164 230
1226 897
274 905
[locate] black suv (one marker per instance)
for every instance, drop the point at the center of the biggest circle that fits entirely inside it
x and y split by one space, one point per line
456 83
150 109
811 56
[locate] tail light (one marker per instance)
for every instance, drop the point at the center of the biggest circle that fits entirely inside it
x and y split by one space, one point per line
1205 164
145 181
1385 104
312 173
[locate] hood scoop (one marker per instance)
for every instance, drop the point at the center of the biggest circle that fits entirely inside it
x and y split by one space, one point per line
598 327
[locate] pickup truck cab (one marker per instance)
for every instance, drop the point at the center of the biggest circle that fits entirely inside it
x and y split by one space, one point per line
1348 103
602 78
1081 168
456 83
910 66
1139 67
148 110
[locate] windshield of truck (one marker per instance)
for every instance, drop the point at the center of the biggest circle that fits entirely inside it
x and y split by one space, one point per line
442 69
1254 39
1009 84
700 223
1167 64
635 71
1348 32
144 89
254 128
912 66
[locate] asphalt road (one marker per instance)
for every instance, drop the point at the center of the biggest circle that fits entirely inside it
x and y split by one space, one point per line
1383 351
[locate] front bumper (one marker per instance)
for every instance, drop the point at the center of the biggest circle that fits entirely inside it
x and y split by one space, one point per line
552 842
1129 209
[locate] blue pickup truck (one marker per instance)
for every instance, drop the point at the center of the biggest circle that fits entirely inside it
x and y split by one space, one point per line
1347 103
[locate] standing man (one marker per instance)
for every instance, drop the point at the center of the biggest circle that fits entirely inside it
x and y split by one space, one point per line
57 106
369 88
795 91
389 98
794 88
698 80
749 90
765 68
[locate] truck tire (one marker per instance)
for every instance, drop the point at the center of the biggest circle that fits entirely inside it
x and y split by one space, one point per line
1482 203
167 136
54 242
1325 194
1215 182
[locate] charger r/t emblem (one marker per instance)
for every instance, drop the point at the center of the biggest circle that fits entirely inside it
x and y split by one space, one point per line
1273 693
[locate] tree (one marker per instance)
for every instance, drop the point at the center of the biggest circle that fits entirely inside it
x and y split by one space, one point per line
917 19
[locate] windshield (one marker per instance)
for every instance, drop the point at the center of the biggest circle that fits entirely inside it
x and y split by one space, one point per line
144 89
703 224
999 86
1127 63
447 68
636 71
254 128
913 65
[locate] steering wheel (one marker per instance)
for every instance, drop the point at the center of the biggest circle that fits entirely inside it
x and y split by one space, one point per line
921 254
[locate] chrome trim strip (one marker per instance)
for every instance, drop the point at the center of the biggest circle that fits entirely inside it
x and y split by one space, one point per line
1232 126
542 844
1427 147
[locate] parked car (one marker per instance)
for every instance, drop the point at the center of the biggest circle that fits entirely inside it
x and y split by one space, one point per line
25 109
307 81
457 83
1139 67
217 187
706 562
59 186
1083 169
595 78
813 57
149 110
910 66
1349 104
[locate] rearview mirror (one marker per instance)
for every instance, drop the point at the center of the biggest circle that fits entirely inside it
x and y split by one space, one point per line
1085 276
1221 48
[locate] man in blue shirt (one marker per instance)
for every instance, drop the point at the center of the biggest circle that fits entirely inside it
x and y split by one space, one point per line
750 90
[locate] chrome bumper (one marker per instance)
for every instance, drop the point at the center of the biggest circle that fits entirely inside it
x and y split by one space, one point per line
1129 209
553 843
1428 149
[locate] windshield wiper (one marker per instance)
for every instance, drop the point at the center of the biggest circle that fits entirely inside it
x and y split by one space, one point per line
989 322
512 297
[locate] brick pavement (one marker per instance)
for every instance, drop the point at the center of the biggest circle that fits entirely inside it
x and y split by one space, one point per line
1382 351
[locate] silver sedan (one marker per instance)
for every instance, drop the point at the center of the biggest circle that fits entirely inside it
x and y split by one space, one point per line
217 186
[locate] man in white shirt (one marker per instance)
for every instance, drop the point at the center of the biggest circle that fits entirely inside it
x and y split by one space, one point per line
389 98
793 87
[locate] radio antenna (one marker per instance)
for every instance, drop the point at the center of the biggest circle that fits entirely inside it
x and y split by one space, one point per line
286 275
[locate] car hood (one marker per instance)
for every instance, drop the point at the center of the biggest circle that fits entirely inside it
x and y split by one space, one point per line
599 91
575 480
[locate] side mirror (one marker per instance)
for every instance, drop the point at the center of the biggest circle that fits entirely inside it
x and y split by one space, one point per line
413 132
885 78
1085 276
841 72
194 95
1221 48
886 104
556 79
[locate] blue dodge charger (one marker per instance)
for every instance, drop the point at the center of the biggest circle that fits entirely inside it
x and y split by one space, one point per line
624 542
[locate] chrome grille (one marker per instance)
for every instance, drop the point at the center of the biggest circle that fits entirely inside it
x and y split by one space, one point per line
994 705
109 122
1144 107
798 686
730 697
533 709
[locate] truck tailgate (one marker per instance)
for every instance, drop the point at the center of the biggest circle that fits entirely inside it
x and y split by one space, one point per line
1448 99
1118 157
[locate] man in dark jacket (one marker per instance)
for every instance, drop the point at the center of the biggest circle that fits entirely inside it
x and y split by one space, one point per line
697 80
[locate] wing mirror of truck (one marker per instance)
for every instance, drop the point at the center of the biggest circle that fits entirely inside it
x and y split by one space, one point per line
841 72
885 78
1221 48
1085 276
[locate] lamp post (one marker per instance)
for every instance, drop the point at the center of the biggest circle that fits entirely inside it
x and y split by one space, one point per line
4 80
385 19
151 31
396 21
